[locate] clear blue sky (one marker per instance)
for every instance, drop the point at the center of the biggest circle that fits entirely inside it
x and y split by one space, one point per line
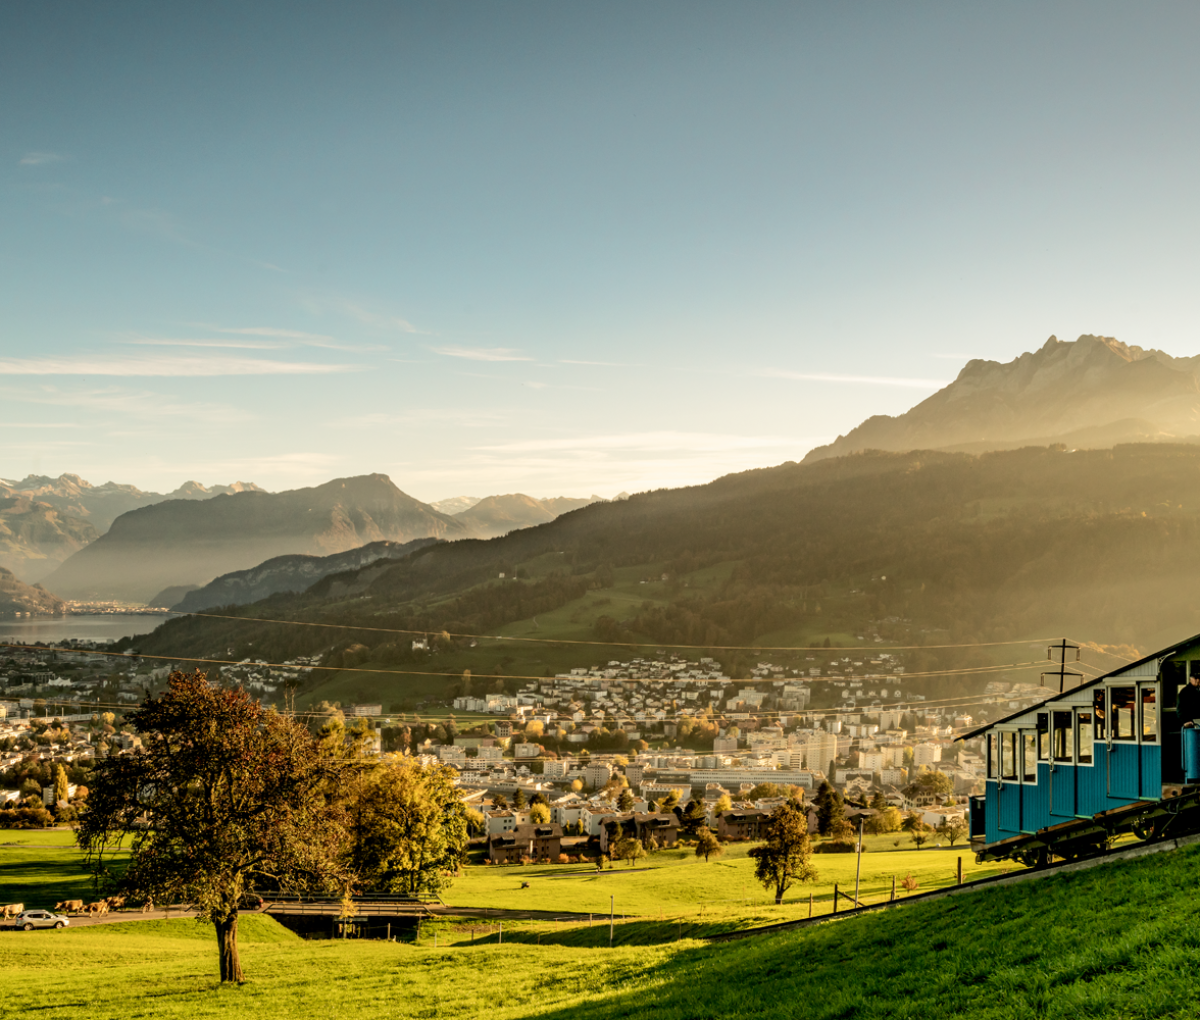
563 248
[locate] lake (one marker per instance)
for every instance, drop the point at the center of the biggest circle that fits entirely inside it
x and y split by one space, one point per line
94 627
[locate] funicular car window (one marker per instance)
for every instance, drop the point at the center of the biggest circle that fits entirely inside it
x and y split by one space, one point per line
1061 736
1084 736
993 756
1043 736
1029 756
1121 702
1149 715
1098 713
1008 755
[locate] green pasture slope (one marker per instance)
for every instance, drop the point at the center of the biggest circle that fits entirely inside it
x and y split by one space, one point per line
1117 941
676 883
39 867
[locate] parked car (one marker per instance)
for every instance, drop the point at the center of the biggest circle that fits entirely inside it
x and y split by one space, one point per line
30 919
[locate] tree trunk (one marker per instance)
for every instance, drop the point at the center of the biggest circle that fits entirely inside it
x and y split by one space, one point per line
779 891
231 965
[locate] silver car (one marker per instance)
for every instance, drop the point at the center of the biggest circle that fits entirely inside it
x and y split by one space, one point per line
30 919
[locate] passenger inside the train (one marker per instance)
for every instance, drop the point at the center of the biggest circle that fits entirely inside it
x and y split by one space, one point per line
1188 705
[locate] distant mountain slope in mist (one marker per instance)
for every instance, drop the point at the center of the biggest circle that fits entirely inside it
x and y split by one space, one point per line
181 541
35 537
498 515
1089 394
289 573
18 597
100 505
455 504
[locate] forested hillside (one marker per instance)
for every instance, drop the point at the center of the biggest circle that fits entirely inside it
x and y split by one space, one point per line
918 548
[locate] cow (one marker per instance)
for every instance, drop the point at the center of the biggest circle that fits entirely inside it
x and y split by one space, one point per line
12 910
69 906
115 902
97 909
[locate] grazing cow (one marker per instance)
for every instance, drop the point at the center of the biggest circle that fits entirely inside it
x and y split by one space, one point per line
12 910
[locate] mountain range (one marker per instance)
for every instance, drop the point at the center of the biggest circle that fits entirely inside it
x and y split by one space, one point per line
100 505
181 542
45 520
1092 393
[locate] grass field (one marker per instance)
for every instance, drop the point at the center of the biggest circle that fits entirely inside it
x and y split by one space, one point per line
39 867
1118 941
675 882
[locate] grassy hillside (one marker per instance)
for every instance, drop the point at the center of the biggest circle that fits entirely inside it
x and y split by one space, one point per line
1118 941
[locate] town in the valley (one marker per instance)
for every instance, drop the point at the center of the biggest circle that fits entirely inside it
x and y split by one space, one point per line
564 761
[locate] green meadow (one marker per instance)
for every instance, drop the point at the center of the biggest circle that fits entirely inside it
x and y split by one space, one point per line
677 883
1117 941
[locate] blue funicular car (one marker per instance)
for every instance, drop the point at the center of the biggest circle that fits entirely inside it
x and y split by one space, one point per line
1068 775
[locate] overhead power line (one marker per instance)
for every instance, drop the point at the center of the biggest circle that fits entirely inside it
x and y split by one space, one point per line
611 644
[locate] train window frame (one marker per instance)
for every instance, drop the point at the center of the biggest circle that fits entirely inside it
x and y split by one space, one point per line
1009 768
1115 734
1066 715
1085 734
993 755
1043 736
1028 743
1154 700
1099 714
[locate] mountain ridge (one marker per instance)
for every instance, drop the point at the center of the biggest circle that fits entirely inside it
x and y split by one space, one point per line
1096 389
180 542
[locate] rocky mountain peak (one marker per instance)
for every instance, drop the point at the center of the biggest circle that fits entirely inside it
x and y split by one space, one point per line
1093 391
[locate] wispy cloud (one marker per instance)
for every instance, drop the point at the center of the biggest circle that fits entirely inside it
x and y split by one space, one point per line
955 357
124 402
860 380
41 158
382 321
289 334
321 340
604 364
467 417
482 353
38 425
696 442
537 385
163 365
252 345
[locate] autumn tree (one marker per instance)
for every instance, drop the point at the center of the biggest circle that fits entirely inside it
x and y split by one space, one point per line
952 828
408 826
786 855
539 814
625 801
707 844
224 793
693 819
830 808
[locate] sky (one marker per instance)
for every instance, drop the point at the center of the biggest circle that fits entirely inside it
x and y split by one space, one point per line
563 249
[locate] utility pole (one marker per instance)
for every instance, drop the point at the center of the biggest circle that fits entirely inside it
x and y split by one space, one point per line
858 863
1059 651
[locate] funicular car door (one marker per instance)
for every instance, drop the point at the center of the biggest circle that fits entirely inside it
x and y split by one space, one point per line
1062 763
1122 762
1033 801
